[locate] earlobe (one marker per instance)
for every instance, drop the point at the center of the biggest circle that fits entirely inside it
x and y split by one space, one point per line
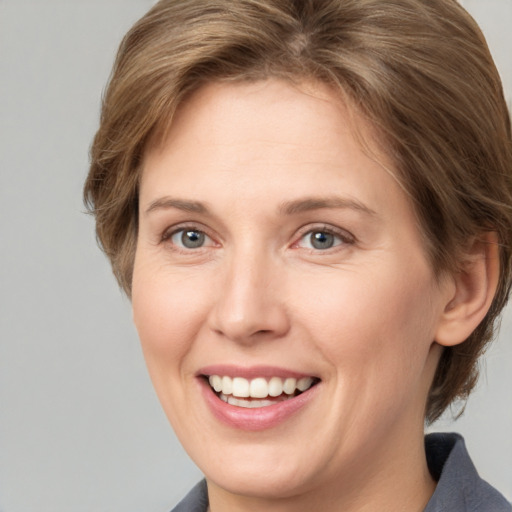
472 292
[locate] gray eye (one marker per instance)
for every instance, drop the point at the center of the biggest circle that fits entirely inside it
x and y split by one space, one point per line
321 240
192 239
189 238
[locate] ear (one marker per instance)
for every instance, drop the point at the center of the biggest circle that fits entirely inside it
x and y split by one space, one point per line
472 291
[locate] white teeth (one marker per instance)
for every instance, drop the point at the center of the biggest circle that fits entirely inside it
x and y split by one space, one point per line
289 386
216 382
227 385
240 387
304 383
257 388
249 404
275 386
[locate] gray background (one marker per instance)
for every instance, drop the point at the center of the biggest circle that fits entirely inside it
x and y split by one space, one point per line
80 426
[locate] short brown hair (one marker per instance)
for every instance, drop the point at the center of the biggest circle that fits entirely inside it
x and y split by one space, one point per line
418 70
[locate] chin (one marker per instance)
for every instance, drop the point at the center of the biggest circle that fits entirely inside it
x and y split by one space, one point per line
261 483
259 470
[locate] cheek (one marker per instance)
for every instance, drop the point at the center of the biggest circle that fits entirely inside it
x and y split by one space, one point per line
377 326
376 337
167 313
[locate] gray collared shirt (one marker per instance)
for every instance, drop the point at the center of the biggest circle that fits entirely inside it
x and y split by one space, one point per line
459 488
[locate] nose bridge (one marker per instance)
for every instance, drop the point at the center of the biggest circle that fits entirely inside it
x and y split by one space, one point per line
250 298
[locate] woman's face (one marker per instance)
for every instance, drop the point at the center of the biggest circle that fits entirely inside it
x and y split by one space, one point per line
274 253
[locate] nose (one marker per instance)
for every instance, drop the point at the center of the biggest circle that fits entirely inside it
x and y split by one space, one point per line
250 301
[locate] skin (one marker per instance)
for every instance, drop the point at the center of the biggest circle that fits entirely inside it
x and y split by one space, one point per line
362 315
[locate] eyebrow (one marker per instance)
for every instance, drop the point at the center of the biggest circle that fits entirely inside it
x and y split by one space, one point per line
165 203
287 208
317 203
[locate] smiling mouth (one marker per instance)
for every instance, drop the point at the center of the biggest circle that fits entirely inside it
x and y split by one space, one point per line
258 392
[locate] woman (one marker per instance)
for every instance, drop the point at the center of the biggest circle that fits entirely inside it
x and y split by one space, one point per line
309 204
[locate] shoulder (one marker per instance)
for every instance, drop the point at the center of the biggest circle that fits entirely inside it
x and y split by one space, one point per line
195 501
459 487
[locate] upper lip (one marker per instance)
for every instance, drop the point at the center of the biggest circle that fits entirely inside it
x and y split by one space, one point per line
251 372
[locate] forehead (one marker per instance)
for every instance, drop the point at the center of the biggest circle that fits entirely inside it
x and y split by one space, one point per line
263 136
267 115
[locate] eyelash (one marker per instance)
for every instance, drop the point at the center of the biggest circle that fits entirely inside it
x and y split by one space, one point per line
344 237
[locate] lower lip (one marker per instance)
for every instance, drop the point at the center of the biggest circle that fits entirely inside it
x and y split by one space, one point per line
260 418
